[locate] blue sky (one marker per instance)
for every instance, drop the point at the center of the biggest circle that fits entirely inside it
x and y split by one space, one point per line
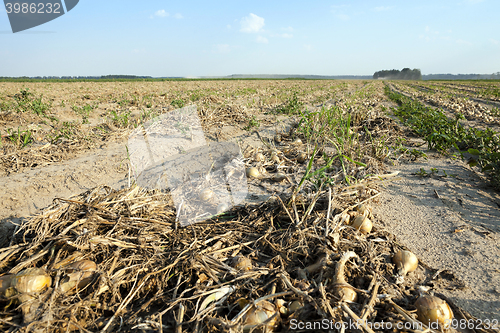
200 38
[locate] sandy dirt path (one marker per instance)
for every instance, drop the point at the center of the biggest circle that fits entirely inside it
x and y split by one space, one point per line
25 193
451 223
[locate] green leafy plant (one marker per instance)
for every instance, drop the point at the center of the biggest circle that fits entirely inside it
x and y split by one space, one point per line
67 130
495 112
84 111
332 127
20 138
28 102
178 103
124 103
148 101
443 133
120 119
195 96
291 106
254 122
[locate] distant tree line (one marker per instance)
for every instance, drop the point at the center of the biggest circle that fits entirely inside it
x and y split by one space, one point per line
394 74
126 77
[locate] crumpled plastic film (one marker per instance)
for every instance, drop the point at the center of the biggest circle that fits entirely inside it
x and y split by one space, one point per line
170 152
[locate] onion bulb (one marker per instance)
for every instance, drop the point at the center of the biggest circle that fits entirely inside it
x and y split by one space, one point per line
406 262
258 314
294 306
345 218
28 283
342 289
80 274
221 208
5 282
433 309
82 265
302 157
275 158
297 142
363 224
278 177
206 194
31 281
364 210
242 263
253 172
281 306
259 157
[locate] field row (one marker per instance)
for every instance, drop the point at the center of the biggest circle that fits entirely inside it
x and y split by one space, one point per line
61 120
483 90
469 108
446 134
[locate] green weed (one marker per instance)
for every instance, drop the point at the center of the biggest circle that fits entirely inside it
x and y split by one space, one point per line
492 91
148 101
291 106
196 96
254 122
28 102
332 127
84 111
433 172
20 138
67 130
443 133
124 103
178 103
121 119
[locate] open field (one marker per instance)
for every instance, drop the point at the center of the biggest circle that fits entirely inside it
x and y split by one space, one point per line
65 139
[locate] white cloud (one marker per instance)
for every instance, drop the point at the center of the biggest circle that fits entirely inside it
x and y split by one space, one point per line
284 35
308 47
494 41
161 13
228 26
178 16
222 48
252 23
463 42
336 7
343 17
338 10
474 1
262 40
383 8
287 29
434 35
